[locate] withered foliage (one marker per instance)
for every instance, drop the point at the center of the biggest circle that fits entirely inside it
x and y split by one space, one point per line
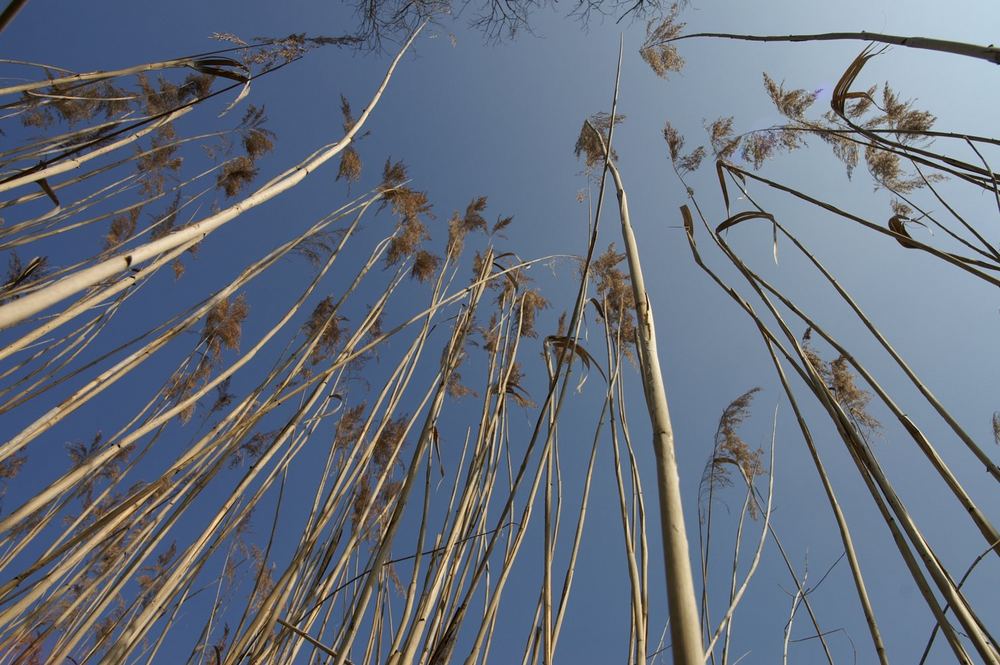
11 466
29 650
20 274
531 303
388 440
161 158
901 115
73 103
121 229
252 448
9 470
324 326
844 148
350 160
316 247
224 325
263 574
270 51
362 496
165 225
758 147
491 335
181 384
153 575
754 147
223 329
459 226
346 114
720 135
384 455
661 55
996 427
257 140
162 98
675 144
886 168
900 209
861 104
408 205
108 473
196 86
501 224
853 398
239 172
350 165
515 390
850 136
349 427
881 131
158 162
425 265
590 145
106 626
223 397
236 174
790 103
513 289
614 289
84 102
219 646
731 450
410 234
375 326
456 388
839 379
393 175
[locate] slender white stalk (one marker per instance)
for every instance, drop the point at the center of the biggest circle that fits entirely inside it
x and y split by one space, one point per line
684 626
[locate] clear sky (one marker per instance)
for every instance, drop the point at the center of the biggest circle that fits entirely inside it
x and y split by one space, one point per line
473 119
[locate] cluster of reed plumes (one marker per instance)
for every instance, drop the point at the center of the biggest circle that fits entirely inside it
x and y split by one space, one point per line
347 477
353 471
920 169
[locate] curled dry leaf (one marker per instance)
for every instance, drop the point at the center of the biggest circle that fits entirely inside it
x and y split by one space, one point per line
217 66
742 217
44 184
564 342
897 225
688 220
841 91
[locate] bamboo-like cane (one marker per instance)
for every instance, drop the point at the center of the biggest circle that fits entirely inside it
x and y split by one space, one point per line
684 627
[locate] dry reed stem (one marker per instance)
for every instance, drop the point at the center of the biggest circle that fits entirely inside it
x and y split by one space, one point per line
18 310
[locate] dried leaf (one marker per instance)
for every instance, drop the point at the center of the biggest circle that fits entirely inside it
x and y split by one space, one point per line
597 306
688 220
742 217
841 91
774 240
565 342
214 67
897 225
239 98
44 184
722 182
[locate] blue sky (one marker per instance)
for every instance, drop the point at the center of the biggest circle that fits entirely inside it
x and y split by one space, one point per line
500 120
